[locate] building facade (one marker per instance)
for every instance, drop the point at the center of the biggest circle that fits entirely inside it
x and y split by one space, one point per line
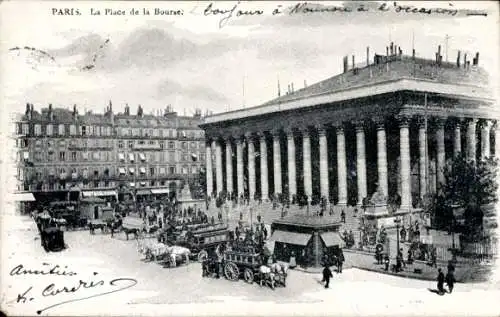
388 126
60 152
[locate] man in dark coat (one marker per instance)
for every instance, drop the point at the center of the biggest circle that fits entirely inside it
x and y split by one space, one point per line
450 281
327 274
440 281
340 261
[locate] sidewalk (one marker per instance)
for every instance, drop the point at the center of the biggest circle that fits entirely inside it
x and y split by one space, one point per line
463 273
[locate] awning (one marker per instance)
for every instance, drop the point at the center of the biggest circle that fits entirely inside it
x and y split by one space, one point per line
132 184
122 170
23 197
99 193
159 191
26 155
331 239
142 170
131 170
291 237
144 192
121 157
142 156
143 183
131 157
74 175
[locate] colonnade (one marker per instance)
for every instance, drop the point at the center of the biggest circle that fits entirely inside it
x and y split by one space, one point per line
250 139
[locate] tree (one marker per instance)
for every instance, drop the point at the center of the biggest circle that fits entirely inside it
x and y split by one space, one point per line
468 185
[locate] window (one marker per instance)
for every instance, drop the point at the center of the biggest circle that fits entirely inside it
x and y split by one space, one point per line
72 129
62 143
108 131
171 170
162 170
62 156
38 129
162 183
171 145
130 144
50 156
85 156
120 144
151 142
151 171
96 173
185 157
193 145
73 156
84 130
152 183
61 129
162 144
184 145
38 156
141 142
24 143
97 131
26 129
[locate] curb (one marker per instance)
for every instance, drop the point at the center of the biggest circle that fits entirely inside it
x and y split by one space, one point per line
403 275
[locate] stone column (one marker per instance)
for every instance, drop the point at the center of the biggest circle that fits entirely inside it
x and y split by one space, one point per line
323 163
404 146
441 154
471 139
251 166
292 174
208 159
382 157
239 167
218 167
277 162
361 162
341 166
264 180
485 138
422 156
457 138
229 166
306 143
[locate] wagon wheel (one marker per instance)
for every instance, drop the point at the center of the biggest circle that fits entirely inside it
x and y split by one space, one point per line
248 274
203 255
231 271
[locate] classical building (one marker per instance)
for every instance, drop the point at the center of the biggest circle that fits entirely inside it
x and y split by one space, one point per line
386 127
61 152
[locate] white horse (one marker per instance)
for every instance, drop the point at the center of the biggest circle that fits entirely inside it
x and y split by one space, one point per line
175 251
279 268
267 276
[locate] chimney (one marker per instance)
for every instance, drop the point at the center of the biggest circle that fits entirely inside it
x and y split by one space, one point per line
413 54
353 63
51 113
458 60
367 55
465 60
400 51
477 58
392 48
439 50
387 51
468 65
292 88
27 113
344 60
305 83
288 90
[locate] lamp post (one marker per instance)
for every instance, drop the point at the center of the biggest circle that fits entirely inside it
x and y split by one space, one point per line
397 221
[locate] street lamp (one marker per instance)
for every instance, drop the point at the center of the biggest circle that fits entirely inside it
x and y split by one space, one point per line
397 221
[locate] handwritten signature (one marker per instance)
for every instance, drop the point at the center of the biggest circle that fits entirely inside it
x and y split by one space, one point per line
54 290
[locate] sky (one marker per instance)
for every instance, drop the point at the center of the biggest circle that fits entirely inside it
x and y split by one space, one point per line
192 61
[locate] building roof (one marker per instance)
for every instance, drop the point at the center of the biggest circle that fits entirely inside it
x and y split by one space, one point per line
308 221
398 67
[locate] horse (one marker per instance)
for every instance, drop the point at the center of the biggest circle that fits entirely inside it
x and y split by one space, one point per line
173 252
267 276
134 231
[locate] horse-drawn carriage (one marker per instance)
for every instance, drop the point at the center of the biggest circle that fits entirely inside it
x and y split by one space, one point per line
133 225
202 240
248 264
52 239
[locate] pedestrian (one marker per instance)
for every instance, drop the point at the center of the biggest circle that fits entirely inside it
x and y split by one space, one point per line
327 274
450 281
293 262
340 261
386 262
342 216
440 282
